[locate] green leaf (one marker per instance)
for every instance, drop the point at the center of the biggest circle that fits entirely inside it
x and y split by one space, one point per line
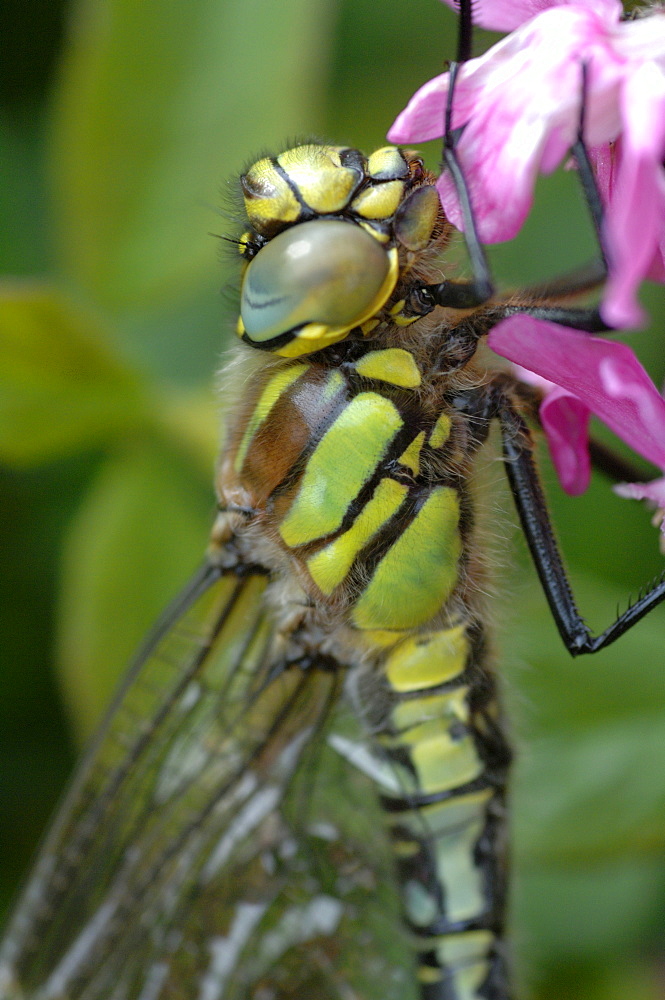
589 788
614 981
587 914
157 104
572 784
61 386
139 534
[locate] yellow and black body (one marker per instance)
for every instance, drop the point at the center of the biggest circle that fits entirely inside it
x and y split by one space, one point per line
352 456
345 558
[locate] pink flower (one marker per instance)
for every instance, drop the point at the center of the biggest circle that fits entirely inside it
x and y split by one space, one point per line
506 15
587 375
519 105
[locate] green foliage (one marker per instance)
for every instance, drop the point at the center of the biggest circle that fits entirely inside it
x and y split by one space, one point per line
147 101
140 530
108 428
62 388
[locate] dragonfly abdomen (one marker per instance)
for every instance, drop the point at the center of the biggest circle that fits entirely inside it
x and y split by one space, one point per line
439 735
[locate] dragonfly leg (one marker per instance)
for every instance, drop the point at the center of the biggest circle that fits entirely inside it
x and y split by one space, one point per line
470 294
458 294
531 507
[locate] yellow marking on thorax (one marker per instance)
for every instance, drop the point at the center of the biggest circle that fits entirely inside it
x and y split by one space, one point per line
441 431
343 461
330 565
369 325
393 365
271 394
419 571
410 457
334 382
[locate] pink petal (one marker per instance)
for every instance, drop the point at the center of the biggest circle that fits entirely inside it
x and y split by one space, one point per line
519 105
604 161
423 117
500 168
654 492
657 270
525 375
635 219
605 376
506 15
565 420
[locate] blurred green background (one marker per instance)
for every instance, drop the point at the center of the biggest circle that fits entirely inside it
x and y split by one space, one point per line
123 126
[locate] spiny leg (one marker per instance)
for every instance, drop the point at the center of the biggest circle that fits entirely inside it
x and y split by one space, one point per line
532 510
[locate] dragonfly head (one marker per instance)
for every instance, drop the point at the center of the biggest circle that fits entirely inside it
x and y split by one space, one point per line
323 252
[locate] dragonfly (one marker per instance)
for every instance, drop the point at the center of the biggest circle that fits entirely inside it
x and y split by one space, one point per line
329 668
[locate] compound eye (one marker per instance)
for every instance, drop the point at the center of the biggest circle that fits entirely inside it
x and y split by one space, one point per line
311 284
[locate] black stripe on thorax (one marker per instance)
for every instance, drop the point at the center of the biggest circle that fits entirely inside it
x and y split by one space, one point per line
387 467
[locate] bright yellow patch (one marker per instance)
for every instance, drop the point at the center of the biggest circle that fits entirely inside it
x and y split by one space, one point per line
380 201
443 763
425 661
330 565
272 198
387 162
410 457
419 571
354 445
441 431
393 365
323 183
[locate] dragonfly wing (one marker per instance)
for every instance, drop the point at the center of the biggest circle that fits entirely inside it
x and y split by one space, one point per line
215 845
187 775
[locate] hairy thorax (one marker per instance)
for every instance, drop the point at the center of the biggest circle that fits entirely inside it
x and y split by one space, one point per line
351 469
